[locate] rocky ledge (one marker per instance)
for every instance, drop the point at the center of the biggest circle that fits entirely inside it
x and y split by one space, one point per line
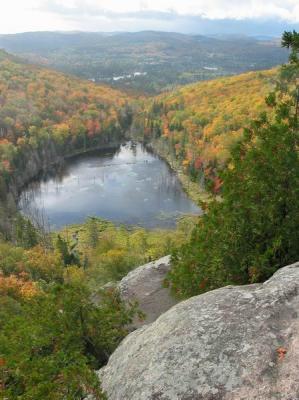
145 285
233 343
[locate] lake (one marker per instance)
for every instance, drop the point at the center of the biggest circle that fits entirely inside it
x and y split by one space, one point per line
129 185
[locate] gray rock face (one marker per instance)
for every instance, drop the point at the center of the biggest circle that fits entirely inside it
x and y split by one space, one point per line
233 343
145 285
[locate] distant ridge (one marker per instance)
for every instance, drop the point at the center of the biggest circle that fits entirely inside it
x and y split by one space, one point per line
147 62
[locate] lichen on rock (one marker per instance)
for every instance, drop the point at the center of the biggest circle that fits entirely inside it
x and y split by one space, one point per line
232 343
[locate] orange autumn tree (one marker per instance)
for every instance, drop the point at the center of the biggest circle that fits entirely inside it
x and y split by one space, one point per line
17 286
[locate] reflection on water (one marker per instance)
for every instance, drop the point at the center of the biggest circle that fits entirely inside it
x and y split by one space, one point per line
129 186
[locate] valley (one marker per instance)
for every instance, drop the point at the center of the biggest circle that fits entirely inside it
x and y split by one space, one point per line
46 116
117 150
145 62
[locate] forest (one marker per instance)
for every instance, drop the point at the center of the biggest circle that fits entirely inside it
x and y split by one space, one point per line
145 62
236 138
253 230
42 109
45 114
196 126
56 323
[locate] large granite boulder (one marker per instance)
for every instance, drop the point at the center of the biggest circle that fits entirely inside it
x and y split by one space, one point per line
145 285
233 343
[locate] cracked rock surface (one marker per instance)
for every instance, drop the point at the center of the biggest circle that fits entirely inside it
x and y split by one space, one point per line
233 343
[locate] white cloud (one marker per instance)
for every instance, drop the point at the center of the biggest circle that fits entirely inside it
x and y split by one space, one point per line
32 15
236 9
26 15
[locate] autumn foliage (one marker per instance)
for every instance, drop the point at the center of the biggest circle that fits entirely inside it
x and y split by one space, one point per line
253 230
17 286
198 124
40 109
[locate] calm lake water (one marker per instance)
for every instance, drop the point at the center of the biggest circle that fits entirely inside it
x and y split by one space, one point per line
129 186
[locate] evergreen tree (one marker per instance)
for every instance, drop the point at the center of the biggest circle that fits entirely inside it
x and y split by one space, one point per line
92 231
25 233
69 257
51 347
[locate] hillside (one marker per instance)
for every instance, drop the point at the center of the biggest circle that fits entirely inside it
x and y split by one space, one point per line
196 126
38 97
148 62
47 286
46 114
59 324
37 103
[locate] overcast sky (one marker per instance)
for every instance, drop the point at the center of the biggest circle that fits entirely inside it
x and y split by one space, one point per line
187 16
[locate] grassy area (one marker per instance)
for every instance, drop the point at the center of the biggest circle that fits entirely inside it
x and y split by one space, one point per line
108 252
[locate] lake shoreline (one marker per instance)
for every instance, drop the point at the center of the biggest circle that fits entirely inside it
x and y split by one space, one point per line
192 189
61 160
131 185
36 162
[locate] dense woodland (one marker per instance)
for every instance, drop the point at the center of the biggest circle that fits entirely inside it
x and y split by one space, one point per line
42 110
197 125
237 137
56 323
253 230
53 275
37 104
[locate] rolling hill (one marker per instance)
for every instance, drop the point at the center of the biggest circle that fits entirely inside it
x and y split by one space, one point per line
147 62
46 114
196 125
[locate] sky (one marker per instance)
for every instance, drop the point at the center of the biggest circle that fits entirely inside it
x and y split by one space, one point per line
187 16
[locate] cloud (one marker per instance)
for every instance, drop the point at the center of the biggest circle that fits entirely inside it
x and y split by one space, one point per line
94 12
189 16
186 16
287 10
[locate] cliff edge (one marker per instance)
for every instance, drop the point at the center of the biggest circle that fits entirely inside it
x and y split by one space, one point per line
232 343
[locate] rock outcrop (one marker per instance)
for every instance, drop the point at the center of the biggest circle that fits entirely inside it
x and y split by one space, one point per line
232 343
145 285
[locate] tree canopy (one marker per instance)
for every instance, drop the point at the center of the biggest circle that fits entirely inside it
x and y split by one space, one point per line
253 230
